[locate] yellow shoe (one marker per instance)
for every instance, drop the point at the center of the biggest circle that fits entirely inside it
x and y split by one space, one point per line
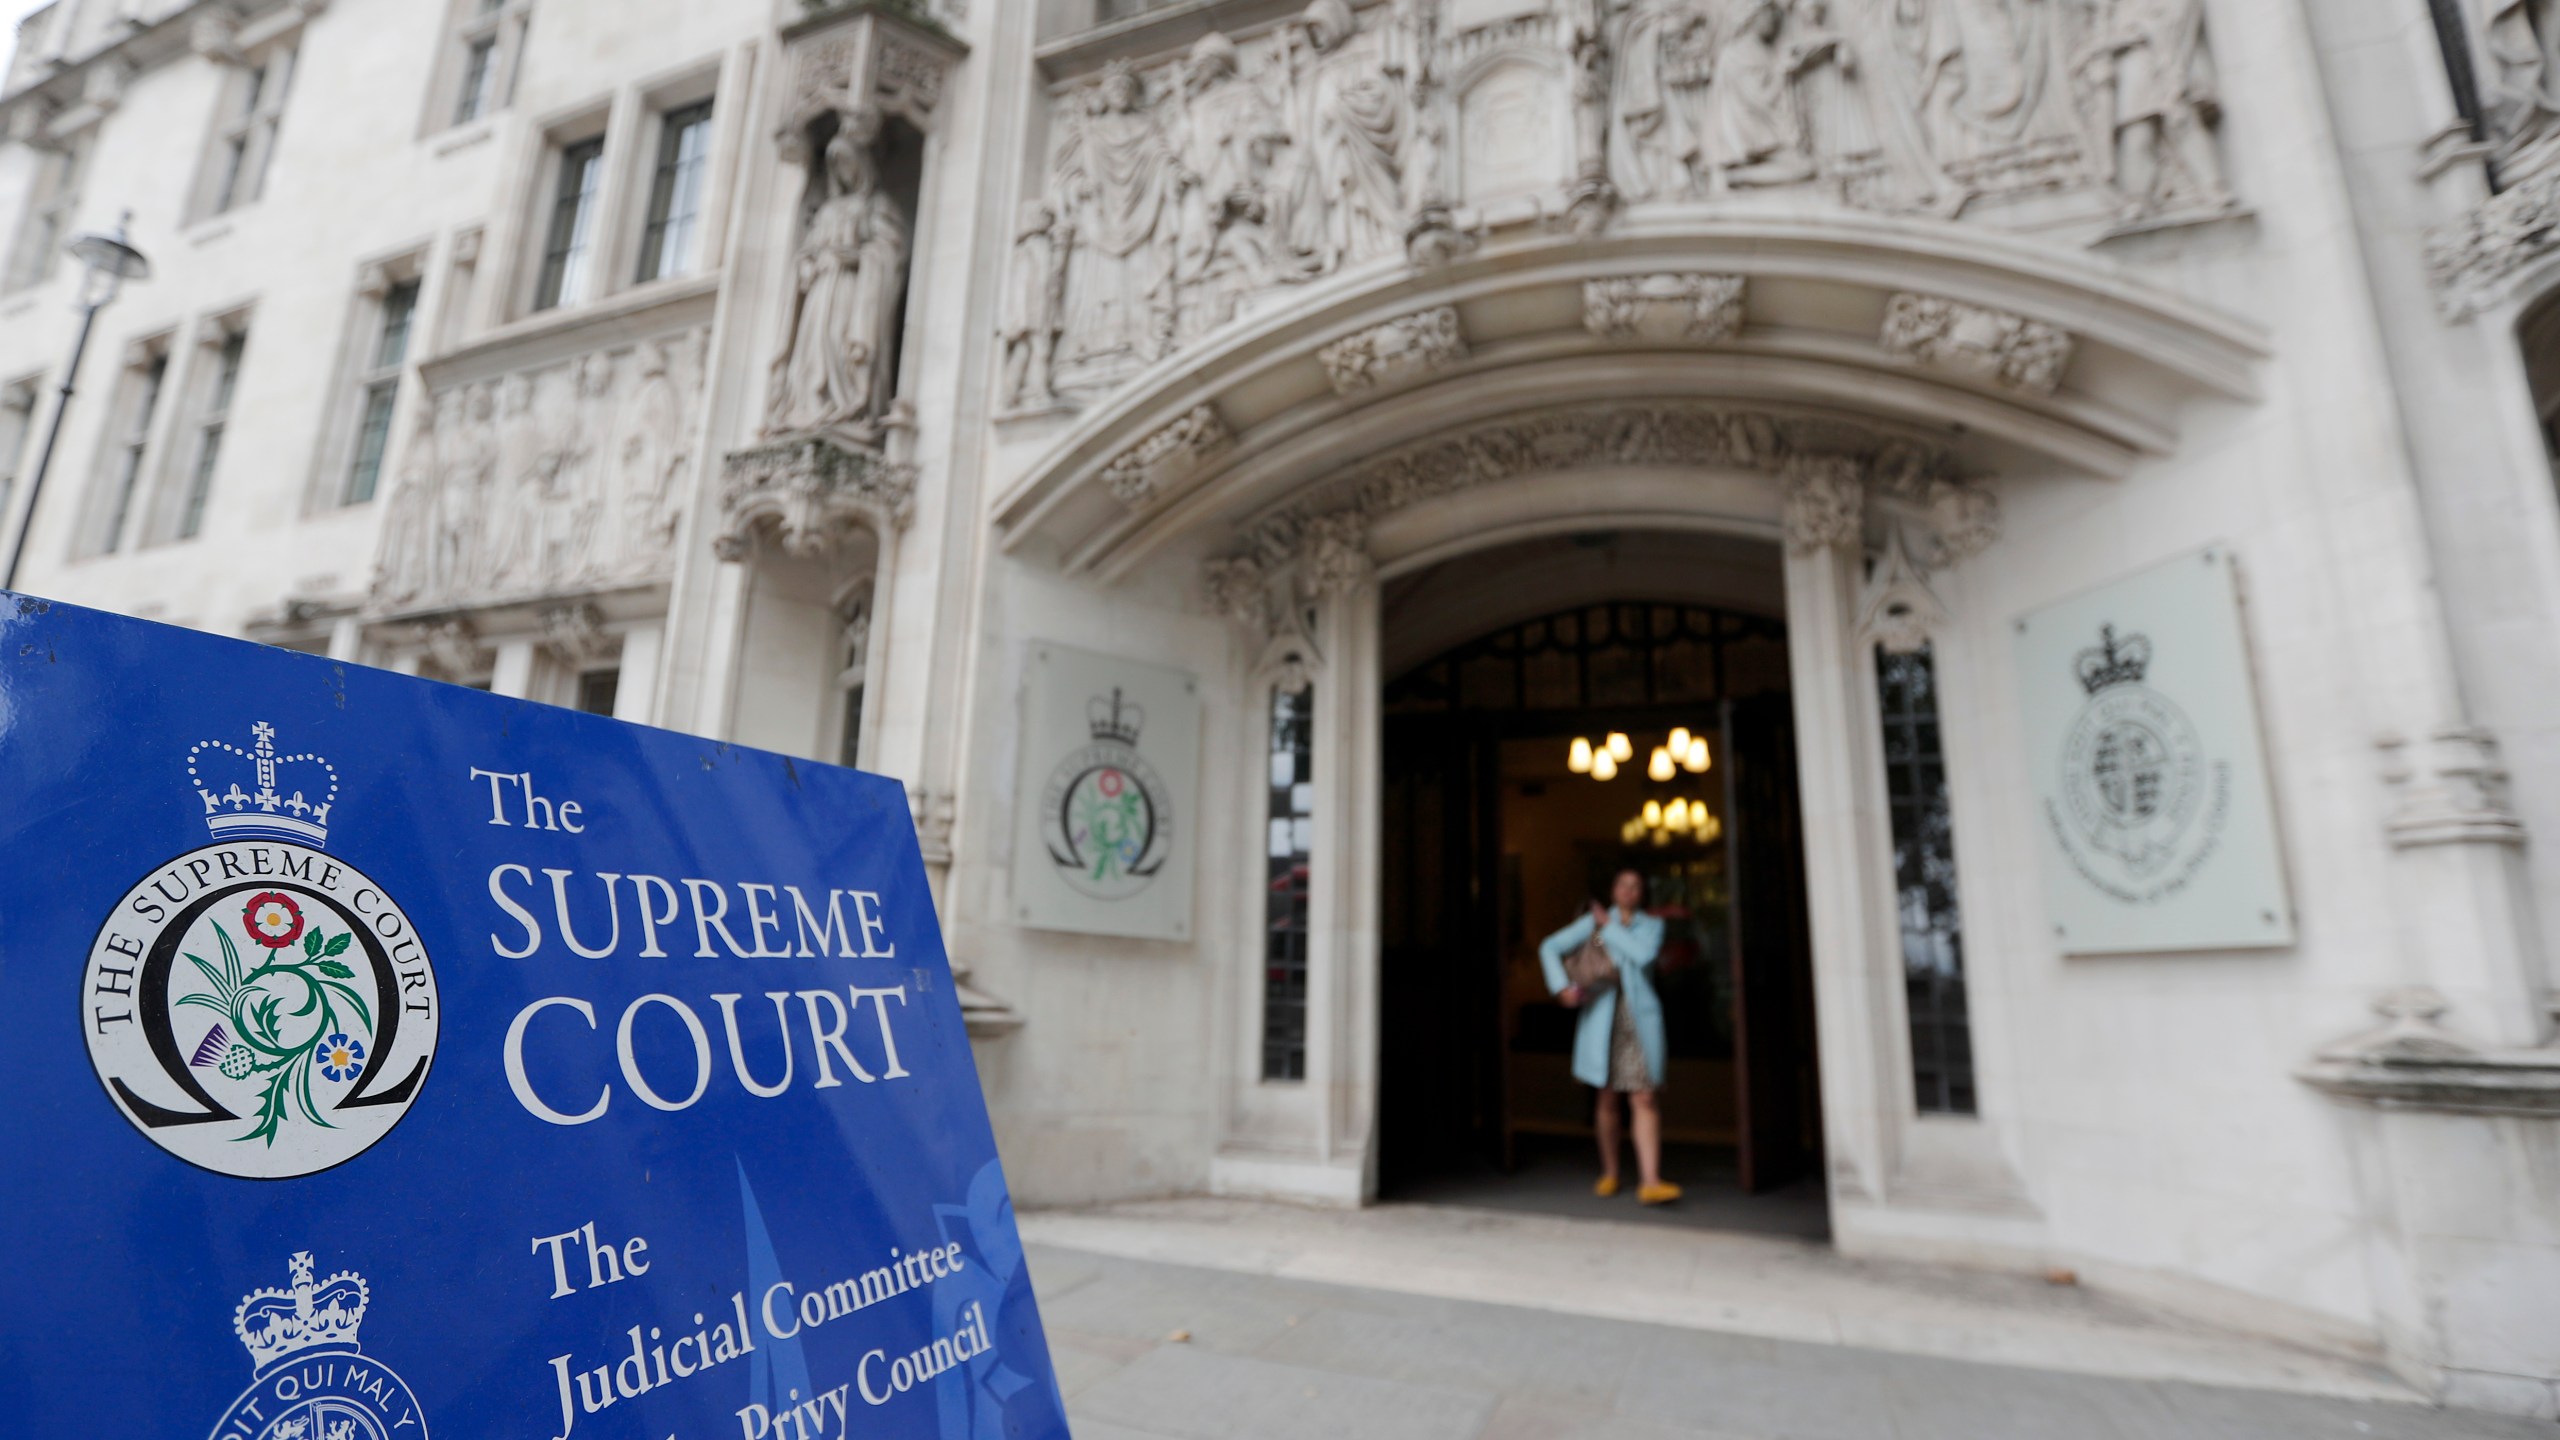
1606 1187
1662 1194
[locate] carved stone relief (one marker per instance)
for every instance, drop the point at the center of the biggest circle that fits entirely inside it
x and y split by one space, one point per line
1676 306
806 493
1977 341
1180 189
555 479
1828 467
1402 349
1164 457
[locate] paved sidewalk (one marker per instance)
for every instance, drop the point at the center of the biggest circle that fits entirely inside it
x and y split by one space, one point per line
1152 1351
1753 1285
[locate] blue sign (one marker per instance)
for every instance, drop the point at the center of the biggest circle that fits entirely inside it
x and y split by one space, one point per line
382 1059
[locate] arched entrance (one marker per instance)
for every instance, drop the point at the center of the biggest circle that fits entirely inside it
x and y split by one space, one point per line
1490 840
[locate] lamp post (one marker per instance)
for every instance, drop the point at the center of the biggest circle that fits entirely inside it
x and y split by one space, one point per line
107 261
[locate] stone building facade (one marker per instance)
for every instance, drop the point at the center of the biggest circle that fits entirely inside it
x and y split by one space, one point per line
792 372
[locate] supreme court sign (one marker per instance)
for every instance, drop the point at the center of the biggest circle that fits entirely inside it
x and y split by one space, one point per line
389 1059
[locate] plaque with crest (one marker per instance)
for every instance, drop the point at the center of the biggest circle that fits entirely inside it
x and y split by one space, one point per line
2154 814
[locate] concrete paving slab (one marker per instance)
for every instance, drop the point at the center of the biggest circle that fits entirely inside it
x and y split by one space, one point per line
1187 1393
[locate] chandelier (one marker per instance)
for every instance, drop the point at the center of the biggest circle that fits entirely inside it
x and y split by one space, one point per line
1684 749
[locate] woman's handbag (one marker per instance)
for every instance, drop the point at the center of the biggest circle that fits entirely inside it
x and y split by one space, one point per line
1589 968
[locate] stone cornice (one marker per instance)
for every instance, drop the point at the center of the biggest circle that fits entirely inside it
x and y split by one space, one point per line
138 48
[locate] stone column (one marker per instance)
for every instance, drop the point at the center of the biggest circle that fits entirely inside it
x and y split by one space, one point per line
1840 791
1342 921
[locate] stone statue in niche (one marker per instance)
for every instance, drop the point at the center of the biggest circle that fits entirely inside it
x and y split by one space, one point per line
1352 202
1232 138
1034 305
848 273
2155 81
2522 41
1118 174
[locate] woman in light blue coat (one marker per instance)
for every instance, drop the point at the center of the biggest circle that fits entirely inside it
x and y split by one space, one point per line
1618 1044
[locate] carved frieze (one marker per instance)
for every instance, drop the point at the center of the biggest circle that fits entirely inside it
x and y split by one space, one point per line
1403 349
1179 189
1686 307
1977 342
806 493
557 479
1163 458
1828 464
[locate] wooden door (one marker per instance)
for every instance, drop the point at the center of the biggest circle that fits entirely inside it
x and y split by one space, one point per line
1776 1094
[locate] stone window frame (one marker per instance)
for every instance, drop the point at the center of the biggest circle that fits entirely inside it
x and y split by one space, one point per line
240 141
129 443
566 242
361 371
53 201
664 171
21 402
211 391
470 25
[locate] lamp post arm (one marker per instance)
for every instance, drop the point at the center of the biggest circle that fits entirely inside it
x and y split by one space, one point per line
44 457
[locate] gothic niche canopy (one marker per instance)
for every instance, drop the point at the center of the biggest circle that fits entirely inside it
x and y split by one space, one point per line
1181 192
833 444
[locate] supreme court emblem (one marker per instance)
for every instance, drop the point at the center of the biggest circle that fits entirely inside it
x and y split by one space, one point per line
2141 803
1106 814
258 1006
313 1382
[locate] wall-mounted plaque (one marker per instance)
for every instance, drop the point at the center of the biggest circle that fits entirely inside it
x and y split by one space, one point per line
2154 818
1110 785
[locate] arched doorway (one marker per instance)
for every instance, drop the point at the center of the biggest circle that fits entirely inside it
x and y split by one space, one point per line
1491 840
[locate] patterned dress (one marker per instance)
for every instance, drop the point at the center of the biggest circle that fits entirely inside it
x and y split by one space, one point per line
1626 1052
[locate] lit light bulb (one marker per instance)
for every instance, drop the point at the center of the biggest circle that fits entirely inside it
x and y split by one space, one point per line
1697 759
1579 760
1661 837
1659 767
1676 818
1604 766
1652 813
1621 748
1699 819
1679 739
1631 832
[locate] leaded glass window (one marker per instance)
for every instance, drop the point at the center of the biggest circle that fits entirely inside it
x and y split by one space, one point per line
1924 878
1290 837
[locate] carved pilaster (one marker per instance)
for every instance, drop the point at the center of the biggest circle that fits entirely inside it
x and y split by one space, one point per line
1976 341
2449 788
806 494
1337 553
1825 502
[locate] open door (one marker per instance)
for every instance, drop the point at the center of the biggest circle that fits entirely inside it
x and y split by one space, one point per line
1777 1098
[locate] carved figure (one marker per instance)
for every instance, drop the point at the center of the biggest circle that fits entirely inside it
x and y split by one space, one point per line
1864 133
1755 135
1989 75
1035 305
1118 174
408 528
1654 141
2155 78
848 273
2522 38
1230 137
1356 119
654 450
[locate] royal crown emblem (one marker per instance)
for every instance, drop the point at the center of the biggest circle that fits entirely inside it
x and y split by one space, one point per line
308 1315
277 804
313 1381
2112 662
1115 720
